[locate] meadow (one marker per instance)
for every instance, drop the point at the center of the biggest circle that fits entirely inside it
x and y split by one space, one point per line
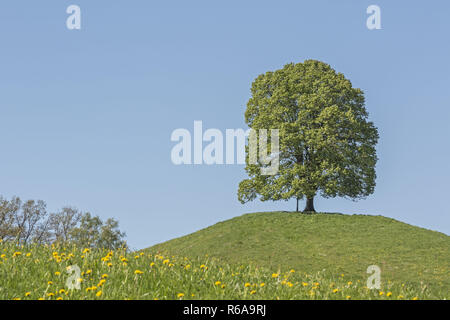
46 273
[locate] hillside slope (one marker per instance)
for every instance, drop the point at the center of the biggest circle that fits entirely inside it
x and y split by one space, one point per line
339 243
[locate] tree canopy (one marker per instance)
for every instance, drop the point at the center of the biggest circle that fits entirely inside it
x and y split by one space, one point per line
326 143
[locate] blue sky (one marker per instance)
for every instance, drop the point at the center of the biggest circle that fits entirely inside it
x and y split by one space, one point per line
86 115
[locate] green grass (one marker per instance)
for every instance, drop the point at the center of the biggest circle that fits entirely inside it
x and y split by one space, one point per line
336 243
276 255
39 272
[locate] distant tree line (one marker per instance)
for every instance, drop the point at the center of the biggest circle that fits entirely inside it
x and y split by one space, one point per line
26 222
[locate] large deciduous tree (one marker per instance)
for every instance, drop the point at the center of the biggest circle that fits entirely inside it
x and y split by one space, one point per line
327 145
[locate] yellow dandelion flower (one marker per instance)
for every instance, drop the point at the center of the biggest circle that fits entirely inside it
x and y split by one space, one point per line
27 294
275 275
217 283
138 272
98 294
180 295
262 284
388 294
247 284
57 273
253 292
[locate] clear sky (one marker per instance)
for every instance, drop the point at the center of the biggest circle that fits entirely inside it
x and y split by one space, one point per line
86 115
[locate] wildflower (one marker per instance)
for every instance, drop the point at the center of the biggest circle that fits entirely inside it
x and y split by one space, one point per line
292 271
18 253
166 261
89 271
415 298
381 293
59 298
98 294
51 294
57 273
247 285
27 294
349 283
275 275
109 264
336 290
262 284
305 284
101 282
104 276
388 294
180 295
217 283
253 292
138 272
348 297
50 283
28 254
400 297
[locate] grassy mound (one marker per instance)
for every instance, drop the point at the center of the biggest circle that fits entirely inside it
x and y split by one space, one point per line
341 244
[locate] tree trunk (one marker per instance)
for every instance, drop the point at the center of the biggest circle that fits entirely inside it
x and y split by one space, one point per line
309 205
297 205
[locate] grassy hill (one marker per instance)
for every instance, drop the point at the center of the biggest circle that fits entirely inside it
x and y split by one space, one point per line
338 243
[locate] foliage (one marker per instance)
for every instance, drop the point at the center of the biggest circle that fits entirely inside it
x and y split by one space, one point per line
29 222
327 145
